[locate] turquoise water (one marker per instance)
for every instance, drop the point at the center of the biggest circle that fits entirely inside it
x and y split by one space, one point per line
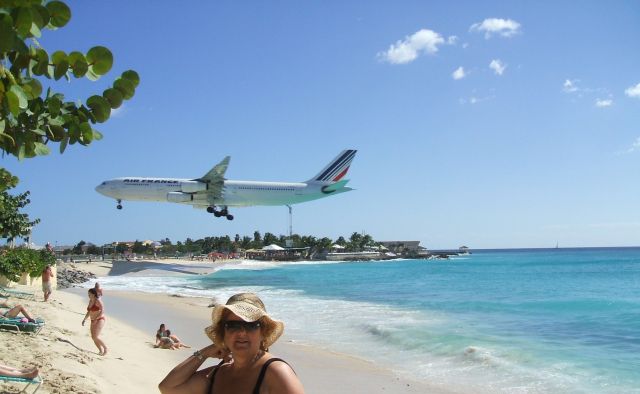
519 321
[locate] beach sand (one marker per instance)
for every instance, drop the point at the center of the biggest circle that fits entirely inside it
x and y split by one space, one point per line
69 363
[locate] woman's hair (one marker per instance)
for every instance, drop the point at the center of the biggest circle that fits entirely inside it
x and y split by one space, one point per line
161 325
94 292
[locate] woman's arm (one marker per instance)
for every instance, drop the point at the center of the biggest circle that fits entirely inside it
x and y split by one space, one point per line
185 378
86 315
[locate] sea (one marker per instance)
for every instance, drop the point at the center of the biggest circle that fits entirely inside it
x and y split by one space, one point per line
495 321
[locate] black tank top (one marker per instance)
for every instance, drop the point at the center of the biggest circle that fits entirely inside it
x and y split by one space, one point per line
263 371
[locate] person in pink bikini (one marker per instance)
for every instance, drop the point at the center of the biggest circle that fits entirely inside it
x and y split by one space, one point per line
95 311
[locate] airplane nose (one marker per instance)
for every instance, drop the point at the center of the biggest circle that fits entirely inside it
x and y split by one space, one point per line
101 188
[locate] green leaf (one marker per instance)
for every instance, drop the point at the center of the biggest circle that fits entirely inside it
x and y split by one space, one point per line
61 64
54 105
99 107
13 102
8 137
39 132
59 13
35 30
41 149
132 77
21 152
2 125
56 133
78 64
87 133
7 34
63 144
125 87
40 16
100 60
22 97
23 21
97 136
33 88
42 62
113 96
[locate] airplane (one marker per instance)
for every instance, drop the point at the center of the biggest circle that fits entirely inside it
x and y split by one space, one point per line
216 194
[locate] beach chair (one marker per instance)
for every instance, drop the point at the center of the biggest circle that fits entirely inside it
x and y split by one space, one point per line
17 324
6 292
37 381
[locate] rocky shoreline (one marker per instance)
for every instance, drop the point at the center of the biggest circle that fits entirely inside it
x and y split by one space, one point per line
70 276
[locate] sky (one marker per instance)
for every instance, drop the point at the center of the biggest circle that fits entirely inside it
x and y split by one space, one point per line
488 124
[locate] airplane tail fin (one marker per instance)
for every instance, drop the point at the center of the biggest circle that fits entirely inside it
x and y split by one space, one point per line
337 169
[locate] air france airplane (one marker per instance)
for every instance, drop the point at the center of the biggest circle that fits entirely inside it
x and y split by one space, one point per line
216 194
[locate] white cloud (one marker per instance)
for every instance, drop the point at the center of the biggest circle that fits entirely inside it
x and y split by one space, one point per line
503 27
497 66
633 91
475 99
635 146
459 73
452 40
569 85
422 41
604 103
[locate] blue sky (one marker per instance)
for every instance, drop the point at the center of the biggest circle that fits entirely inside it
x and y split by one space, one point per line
493 124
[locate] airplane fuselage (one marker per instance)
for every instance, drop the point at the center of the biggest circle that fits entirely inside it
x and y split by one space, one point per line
234 194
216 194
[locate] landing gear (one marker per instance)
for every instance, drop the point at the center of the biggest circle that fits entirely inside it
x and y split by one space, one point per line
119 206
223 212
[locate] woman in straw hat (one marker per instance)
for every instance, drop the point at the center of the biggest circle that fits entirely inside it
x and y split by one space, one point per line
242 333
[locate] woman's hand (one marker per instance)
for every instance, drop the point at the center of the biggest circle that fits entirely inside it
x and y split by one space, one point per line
215 351
83 320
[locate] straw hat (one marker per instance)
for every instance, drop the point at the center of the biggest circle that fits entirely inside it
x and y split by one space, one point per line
250 308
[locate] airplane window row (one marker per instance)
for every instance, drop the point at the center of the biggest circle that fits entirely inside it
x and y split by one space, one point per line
264 188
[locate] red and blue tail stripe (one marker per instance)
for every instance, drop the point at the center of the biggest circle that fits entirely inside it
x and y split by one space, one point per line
338 168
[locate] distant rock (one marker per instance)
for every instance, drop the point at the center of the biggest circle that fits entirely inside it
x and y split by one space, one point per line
71 277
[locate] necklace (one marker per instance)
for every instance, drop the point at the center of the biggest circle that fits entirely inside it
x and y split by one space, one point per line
255 358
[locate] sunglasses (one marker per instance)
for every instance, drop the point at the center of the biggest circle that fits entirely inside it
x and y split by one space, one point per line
237 325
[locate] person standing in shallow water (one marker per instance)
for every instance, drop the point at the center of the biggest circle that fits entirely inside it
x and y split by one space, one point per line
95 311
242 333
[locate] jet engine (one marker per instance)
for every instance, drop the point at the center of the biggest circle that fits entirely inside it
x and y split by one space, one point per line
193 186
179 197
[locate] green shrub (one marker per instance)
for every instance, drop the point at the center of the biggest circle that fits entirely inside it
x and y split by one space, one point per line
15 262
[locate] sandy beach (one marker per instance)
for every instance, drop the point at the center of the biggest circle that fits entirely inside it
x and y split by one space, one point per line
69 363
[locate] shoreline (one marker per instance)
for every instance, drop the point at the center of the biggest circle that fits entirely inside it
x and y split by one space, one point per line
68 359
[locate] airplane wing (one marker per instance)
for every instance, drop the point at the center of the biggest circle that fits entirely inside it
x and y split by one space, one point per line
215 178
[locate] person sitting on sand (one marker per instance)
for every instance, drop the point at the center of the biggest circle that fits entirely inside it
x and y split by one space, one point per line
14 311
177 343
161 333
95 311
242 333
26 373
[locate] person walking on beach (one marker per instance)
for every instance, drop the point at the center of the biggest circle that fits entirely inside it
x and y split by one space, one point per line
98 289
47 274
95 311
242 333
